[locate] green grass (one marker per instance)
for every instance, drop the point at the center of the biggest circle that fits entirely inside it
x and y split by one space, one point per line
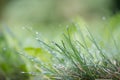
79 59
11 64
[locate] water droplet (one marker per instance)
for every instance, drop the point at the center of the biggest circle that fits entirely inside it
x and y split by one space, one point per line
53 52
22 72
23 28
53 43
76 24
37 38
67 27
97 52
4 49
103 18
32 73
32 59
36 33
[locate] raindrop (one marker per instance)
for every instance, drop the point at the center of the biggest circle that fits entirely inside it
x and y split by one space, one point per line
32 59
97 52
103 18
67 27
76 24
60 66
53 52
23 28
36 32
20 53
37 38
22 72
32 73
53 43
4 49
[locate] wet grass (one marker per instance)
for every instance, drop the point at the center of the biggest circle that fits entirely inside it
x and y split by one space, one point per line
79 59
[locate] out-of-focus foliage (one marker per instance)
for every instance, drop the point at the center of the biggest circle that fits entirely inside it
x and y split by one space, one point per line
44 56
11 64
47 16
111 29
54 11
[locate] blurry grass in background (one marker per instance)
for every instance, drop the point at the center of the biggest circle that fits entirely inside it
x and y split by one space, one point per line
48 16
11 64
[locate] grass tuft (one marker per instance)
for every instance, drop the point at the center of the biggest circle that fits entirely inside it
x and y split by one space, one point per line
77 60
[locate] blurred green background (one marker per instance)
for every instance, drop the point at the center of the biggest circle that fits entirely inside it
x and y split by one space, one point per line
20 19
